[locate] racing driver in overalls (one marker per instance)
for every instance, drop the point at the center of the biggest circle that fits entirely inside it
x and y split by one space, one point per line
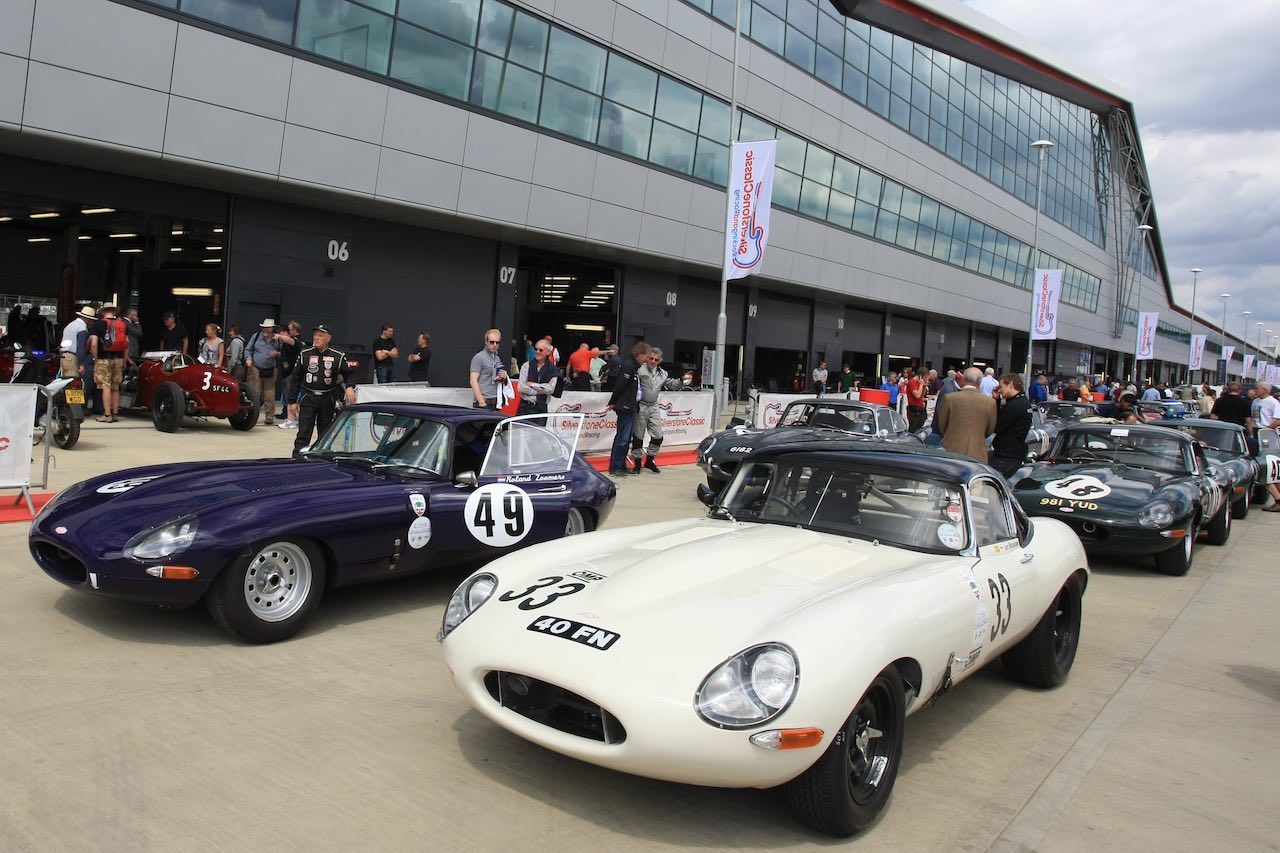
319 377
653 380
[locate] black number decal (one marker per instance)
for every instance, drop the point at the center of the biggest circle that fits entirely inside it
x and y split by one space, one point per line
512 508
1085 491
1002 595
1062 484
484 515
528 602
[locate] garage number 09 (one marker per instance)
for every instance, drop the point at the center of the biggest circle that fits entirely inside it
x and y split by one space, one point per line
499 514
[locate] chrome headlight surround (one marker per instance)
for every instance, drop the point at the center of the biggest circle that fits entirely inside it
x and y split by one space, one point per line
1158 515
466 599
1221 476
750 688
164 541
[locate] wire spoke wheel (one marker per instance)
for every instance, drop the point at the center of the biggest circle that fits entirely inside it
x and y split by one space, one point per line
277 581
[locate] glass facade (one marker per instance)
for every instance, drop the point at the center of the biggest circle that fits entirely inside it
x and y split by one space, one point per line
495 56
975 117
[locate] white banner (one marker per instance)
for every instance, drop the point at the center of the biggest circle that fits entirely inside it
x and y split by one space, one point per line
750 194
1044 305
17 420
1262 371
686 415
1227 352
1196 361
1248 363
1146 344
1273 374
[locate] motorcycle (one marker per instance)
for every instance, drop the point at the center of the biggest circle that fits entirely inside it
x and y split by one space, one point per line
62 398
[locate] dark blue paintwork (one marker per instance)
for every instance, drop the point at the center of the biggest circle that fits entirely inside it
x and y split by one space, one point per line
354 514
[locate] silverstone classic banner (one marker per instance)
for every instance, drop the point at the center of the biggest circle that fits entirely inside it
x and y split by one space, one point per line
1197 352
17 417
750 194
1044 305
686 415
1146 343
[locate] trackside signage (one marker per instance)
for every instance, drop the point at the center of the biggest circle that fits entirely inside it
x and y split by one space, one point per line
1197 352
1146 344
17 419
750 195
1044 305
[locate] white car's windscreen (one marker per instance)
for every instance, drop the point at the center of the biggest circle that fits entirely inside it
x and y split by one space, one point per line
386 438
843 499
533 444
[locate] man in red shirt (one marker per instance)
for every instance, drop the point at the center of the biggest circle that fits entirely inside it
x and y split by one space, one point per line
916 391
580 367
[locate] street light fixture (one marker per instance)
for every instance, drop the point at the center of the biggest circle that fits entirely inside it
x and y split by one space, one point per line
1042 146
1222 346
1195 280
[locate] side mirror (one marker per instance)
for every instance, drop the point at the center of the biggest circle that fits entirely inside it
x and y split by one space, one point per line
467 478
1031 457
705 494
733 422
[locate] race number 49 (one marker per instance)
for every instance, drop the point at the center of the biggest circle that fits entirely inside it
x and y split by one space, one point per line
499 514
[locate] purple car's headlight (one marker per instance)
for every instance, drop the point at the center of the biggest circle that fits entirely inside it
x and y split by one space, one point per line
161 542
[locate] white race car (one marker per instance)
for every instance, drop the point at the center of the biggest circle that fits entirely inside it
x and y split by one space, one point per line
783 639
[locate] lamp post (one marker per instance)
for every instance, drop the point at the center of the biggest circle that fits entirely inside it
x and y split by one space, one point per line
1259 348
1195 279
722 318
1042 146
1222 345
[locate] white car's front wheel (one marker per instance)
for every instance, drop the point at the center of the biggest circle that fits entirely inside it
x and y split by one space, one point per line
849 785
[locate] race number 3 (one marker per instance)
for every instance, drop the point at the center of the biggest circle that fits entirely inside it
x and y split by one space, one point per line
499 514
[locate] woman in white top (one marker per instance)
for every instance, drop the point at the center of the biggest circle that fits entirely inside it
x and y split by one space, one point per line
212 349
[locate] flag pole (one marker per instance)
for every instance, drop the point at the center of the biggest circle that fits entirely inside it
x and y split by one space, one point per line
722 319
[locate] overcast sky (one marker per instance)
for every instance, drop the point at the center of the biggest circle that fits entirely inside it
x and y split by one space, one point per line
1205 85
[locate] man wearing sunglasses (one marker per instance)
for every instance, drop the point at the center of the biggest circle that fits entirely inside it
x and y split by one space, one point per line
488 370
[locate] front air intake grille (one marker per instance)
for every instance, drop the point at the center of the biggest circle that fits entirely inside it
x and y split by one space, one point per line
59 564
554 706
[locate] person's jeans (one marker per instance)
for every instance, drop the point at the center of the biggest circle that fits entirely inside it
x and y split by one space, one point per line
384 372
622 441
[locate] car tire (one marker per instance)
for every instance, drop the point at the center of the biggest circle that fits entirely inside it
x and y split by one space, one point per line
849 785
1219 530
268 592
579 521
168 406
245 419
1176 561
67 430
1044 657
1240 509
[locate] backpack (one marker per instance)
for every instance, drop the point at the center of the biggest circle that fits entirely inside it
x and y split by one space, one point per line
117 337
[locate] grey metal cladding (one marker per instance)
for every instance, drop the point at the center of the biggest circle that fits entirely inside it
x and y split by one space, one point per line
105 39
246 77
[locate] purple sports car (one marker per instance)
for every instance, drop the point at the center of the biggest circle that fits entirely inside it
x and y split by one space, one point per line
390 489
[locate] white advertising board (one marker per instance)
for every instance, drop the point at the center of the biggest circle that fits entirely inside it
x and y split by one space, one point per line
17 428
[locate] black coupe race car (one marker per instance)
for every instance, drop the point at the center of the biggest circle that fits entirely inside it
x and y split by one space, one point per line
820 418
1225 447
1130 491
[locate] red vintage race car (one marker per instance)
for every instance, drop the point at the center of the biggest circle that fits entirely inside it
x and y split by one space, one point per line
173 385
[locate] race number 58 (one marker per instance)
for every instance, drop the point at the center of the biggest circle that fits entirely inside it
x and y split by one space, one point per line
499 514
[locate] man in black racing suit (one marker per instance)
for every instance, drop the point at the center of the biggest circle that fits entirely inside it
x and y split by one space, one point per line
319 375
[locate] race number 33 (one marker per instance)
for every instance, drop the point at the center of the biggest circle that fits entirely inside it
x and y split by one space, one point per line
499 514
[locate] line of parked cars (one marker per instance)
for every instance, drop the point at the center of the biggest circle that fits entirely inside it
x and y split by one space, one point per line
835 546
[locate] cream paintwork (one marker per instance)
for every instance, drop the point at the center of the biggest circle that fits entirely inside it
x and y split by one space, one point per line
685 596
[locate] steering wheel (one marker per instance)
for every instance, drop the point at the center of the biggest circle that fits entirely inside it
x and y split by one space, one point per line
791 508
175 361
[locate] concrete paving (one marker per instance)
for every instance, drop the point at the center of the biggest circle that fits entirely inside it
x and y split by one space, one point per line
124 727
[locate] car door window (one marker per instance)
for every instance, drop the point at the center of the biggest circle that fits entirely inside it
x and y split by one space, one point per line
990 520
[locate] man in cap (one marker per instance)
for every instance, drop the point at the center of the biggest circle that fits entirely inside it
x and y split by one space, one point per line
260 356
319 377
75 342
173 337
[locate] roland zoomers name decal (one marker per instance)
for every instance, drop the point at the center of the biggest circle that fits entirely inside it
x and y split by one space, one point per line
587 635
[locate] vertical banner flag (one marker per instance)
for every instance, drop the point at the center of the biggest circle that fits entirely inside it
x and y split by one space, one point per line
1197 352
1146 348
1248 363
1227 352
750 194
1262 371
1044 305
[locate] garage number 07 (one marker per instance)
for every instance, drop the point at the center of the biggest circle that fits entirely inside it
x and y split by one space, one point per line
499 514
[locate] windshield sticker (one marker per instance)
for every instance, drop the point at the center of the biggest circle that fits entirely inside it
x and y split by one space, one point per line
972 583
955 512
950 535
418 503
122 486
499 514
1120 432
419 533
1077 487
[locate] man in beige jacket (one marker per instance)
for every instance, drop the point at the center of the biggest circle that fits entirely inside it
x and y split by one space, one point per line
967 418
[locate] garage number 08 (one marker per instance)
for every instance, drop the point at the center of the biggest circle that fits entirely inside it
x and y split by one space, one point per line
499 514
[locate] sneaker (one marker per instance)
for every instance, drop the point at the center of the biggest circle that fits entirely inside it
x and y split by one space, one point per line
288 425
103 419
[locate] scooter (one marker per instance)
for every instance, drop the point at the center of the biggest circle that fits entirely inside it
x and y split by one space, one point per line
62 398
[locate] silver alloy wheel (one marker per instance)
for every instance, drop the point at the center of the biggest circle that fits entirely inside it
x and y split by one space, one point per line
575 524
1187 542
277 581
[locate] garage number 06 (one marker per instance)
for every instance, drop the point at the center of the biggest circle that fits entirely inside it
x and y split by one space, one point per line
499 514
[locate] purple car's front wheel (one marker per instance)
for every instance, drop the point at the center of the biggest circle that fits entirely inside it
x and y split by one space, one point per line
268 593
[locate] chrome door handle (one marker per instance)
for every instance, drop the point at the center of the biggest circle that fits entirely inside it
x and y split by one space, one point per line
1027 557
554 489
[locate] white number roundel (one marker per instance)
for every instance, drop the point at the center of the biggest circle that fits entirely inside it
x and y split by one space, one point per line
499 514
1078 488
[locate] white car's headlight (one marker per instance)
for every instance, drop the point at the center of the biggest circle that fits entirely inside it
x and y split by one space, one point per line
1158 514
466 600
163 542
750 688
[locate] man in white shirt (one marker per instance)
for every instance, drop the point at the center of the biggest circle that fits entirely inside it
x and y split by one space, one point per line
990 386
1268 416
